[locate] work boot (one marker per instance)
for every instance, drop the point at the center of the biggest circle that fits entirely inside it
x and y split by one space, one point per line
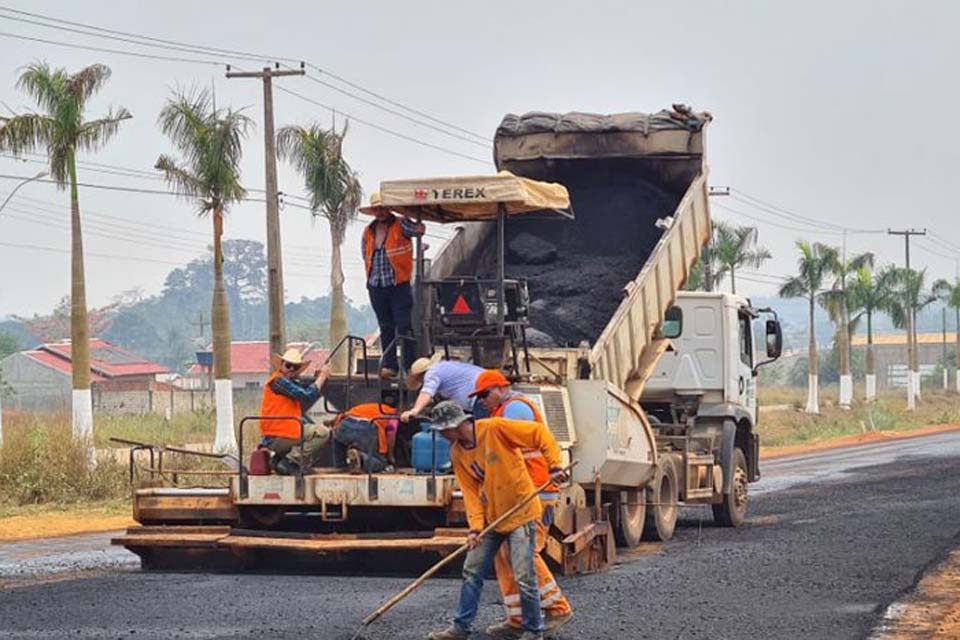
552 624
283 466
388 374
504 631
354 460
453 632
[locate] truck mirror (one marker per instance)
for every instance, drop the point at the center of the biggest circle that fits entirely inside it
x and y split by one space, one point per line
774 339
672 323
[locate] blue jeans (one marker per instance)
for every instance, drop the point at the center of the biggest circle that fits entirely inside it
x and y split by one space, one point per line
478 564
394 308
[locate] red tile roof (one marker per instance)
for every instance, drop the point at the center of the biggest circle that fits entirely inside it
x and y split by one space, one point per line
57 362
106 360
254 357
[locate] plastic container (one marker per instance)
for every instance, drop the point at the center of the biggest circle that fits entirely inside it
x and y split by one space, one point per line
423 451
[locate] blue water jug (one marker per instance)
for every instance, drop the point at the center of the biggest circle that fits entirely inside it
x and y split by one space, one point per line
423 451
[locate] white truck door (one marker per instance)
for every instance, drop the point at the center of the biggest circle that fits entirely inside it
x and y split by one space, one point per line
746 382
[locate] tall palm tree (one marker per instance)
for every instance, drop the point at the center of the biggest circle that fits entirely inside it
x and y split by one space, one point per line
707 272
61 131
870 293
335 193
840 302
737 247
210 142
813 265
950 295
907 297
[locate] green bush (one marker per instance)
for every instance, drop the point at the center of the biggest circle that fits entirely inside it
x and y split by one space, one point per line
44 464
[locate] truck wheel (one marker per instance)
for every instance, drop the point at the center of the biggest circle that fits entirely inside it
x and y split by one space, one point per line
732 511
661 494
631 516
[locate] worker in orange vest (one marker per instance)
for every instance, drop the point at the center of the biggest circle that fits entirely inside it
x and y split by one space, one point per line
388 258
487 458
286 395
383 422
499 399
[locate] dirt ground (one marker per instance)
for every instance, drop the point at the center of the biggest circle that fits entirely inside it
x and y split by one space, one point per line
49 525
770 453
933 610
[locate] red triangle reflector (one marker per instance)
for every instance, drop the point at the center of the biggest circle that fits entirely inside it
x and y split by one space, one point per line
460 307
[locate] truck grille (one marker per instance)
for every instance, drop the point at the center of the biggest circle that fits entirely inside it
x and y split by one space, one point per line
551 403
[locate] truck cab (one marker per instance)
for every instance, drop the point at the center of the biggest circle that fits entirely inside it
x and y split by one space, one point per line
707 375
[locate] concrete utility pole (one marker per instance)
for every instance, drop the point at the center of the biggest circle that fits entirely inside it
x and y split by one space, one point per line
274 258
943 326
913 376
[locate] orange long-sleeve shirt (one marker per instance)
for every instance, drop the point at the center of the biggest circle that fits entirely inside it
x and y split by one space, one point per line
493 474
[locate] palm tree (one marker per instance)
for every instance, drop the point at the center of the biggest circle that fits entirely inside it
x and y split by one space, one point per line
812 266
737 247
62 131
335 193
950 294
209 139
870 294
840 302
906 298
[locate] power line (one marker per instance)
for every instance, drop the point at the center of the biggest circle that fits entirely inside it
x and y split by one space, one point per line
232 53
384 129
781 212
68 45
775 224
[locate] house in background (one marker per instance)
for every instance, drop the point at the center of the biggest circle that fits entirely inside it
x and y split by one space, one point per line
249 363
41 379
890 351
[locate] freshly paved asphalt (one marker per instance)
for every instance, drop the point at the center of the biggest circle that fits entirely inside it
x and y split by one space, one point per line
833 539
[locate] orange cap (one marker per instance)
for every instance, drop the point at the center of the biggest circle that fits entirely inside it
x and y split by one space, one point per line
489 379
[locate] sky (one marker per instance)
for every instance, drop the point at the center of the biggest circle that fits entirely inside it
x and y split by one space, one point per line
840 113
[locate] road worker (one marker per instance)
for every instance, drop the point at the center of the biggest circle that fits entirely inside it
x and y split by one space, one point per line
501 401
488 461
387 250
441 380
366 435
286 395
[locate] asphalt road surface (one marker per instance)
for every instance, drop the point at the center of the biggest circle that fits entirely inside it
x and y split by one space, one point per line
832 540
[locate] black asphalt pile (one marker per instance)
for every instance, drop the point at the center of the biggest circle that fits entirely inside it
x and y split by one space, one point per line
576 271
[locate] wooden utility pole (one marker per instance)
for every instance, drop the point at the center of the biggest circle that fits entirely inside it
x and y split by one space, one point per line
912 356
274 257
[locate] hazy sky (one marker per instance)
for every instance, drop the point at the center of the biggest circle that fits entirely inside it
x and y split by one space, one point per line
836 111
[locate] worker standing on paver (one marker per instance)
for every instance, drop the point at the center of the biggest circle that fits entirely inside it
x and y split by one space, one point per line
286 395
441 380
387 249
499 400
488 461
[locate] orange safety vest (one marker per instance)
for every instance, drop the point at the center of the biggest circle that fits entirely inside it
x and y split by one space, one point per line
373 413
274 404
399 250
536 466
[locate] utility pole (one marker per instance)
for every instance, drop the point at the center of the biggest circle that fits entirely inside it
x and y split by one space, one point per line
913 385
274 257
943 326
200 323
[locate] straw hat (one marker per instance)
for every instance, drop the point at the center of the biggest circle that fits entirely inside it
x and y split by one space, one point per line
375 204
293 356
419 367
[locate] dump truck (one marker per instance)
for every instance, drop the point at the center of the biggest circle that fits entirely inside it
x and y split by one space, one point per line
565 271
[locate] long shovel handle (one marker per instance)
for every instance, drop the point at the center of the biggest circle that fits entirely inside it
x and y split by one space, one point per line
389 604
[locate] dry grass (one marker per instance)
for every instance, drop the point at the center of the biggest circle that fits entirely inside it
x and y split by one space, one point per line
888 413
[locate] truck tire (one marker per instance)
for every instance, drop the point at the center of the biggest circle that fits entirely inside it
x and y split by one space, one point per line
662 494
732 511
631 518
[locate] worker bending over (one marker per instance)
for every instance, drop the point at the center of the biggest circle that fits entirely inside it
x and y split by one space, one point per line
499 400
285 395
442 380
488 461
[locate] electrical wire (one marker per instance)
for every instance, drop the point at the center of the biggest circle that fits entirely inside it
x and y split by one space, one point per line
775 224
